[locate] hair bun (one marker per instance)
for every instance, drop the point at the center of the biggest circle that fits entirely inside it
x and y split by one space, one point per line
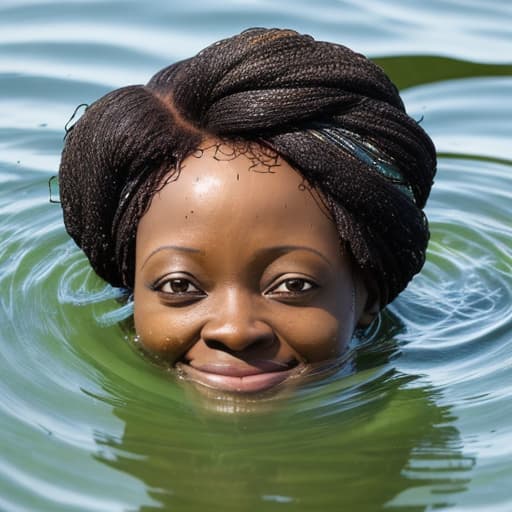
275 87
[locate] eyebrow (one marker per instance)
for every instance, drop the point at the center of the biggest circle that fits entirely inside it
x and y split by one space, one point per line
189 250
261 253
283 249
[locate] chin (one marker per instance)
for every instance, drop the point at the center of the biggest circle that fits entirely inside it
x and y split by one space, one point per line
232 402
230 392
241 379
258 395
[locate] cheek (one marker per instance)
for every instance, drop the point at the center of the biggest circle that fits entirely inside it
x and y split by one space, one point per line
163 332
317 334
324 332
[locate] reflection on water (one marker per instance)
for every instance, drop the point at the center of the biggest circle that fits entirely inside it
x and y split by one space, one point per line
421 418
324 458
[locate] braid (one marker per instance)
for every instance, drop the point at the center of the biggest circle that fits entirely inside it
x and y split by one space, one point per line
272 87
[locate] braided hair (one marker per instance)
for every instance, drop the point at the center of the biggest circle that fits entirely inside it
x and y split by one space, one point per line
330 112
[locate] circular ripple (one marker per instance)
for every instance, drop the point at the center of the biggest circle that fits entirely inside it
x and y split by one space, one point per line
88 424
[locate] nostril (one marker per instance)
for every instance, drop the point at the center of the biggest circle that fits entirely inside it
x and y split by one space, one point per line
233 344
267 341
216 345
261 343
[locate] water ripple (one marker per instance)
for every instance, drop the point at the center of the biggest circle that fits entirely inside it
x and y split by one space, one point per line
420 414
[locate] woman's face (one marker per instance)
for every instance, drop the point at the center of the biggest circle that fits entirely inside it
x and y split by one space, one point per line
240 279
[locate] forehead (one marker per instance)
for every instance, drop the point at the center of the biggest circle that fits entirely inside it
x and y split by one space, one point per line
222 192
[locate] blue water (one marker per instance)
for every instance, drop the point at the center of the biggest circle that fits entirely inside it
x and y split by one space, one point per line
420 420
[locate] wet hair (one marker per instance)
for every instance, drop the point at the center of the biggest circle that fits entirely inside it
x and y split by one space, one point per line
330 112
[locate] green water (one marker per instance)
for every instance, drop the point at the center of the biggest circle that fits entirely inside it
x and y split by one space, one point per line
420 419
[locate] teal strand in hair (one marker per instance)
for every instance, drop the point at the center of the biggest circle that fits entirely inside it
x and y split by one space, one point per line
364 151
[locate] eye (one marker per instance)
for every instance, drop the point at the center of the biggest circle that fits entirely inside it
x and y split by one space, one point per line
177 286
292 286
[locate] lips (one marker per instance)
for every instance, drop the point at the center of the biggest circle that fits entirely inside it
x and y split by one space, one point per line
238 378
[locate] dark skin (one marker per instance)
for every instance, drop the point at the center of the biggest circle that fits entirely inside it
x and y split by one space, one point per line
241 281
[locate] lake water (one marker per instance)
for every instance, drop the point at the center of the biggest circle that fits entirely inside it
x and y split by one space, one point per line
420 420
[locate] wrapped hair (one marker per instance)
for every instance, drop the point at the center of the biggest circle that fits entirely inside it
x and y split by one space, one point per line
330 112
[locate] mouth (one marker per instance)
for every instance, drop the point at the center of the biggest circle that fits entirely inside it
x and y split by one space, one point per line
239 378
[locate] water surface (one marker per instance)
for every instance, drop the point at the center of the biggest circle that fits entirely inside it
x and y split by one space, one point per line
422 418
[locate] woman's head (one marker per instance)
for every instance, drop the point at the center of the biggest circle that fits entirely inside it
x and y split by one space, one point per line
264 285
314 116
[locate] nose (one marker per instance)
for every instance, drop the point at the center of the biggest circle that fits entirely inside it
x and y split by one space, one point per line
234 324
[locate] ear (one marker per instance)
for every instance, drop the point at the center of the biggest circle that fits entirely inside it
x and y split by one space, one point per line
370 311
368 303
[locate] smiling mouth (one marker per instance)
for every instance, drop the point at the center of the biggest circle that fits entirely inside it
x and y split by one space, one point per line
239 378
